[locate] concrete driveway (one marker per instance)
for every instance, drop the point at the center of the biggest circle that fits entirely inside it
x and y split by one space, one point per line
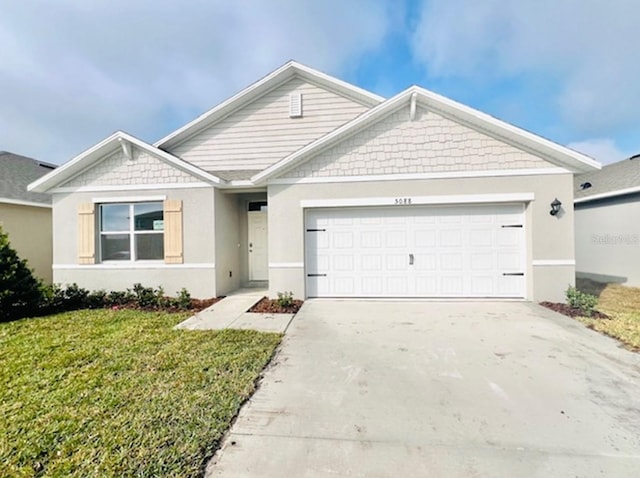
442 389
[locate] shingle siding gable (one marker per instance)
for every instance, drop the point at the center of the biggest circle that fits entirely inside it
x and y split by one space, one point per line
429 144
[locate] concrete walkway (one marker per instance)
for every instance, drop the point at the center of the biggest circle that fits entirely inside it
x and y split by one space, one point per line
442 389
231 313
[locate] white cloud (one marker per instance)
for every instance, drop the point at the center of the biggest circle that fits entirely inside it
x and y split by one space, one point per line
603 150
73 72
589 47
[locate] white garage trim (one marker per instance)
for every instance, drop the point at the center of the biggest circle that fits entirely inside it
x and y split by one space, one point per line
286 265
420 200
553 262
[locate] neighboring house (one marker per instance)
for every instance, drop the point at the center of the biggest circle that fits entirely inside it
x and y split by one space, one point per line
607 210
324 189
26 215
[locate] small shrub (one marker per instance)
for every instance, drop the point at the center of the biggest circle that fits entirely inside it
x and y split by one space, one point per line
75 297
97 299
53 298
585 303
183 301
285 299
147 297
119 297
20 291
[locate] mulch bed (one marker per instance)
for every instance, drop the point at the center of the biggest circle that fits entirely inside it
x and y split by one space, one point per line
271 306
197 305
567 310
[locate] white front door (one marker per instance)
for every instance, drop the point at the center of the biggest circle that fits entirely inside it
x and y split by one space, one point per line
420 251
258 257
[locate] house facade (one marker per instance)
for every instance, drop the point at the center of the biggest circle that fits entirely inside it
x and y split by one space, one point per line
607 210
26 216
312 185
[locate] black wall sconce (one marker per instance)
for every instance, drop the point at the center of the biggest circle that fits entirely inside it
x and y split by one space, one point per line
555 207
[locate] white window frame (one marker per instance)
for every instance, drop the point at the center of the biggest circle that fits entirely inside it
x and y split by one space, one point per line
131 232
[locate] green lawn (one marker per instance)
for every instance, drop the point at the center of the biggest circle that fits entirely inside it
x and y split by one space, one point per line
106 393
622 304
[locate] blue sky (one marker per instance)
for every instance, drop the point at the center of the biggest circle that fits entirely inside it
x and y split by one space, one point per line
72 71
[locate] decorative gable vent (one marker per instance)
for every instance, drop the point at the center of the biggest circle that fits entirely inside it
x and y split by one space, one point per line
295 105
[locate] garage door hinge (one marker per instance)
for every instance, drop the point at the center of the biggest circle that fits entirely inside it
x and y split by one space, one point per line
316 275
316 230
513 273
511 225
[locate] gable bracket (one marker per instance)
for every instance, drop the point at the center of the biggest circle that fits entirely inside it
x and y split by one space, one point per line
126 149
412 110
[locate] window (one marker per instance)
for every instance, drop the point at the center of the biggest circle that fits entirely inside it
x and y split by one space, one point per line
132 232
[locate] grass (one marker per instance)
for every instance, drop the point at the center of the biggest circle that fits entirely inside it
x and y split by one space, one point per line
120 393
622 304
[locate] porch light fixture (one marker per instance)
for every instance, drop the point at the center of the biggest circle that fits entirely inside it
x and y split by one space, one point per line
555 207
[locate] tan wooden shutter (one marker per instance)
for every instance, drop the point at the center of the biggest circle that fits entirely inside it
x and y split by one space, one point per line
173 231
86 234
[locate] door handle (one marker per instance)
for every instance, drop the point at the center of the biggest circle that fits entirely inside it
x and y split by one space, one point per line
410 259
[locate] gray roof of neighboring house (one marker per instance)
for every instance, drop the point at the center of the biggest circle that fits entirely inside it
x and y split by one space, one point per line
16 172
236 175
612 180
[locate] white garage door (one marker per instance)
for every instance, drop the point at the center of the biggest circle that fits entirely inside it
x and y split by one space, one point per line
416 251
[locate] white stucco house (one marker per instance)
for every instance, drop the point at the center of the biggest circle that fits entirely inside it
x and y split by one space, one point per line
607 217
316 186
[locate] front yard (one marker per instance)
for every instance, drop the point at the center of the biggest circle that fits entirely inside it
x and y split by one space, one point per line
120 393
622 304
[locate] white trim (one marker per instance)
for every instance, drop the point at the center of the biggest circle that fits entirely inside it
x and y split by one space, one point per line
553 262
133 265
24 203
286 265
132 187
129 199
412 176
408 201
619 192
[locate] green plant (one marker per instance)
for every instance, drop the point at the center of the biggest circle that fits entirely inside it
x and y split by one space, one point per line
585 303
183 301
119 297
20 291
147 297
285 299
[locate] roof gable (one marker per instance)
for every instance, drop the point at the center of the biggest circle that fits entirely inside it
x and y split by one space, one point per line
275 79
118 140
523 140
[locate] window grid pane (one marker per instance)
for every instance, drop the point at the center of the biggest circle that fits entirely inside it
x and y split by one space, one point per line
132 232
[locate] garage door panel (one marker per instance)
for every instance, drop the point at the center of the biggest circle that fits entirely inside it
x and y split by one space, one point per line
423 251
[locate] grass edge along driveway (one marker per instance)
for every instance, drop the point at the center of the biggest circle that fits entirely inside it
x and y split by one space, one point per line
120 393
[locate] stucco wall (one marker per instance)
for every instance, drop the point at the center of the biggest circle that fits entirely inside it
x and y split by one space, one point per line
29 230
196 274
227 232
429 144
608 240
549 238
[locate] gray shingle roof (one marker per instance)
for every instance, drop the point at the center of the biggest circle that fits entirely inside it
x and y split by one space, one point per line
612 177
16 172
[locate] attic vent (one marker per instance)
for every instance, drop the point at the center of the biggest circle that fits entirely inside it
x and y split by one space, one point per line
295 105
586 185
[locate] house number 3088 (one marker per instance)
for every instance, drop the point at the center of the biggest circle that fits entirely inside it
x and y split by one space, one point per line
402 201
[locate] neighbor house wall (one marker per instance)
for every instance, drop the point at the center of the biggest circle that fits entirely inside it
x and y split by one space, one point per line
29 230
262 132
608 240
550 245
196 273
